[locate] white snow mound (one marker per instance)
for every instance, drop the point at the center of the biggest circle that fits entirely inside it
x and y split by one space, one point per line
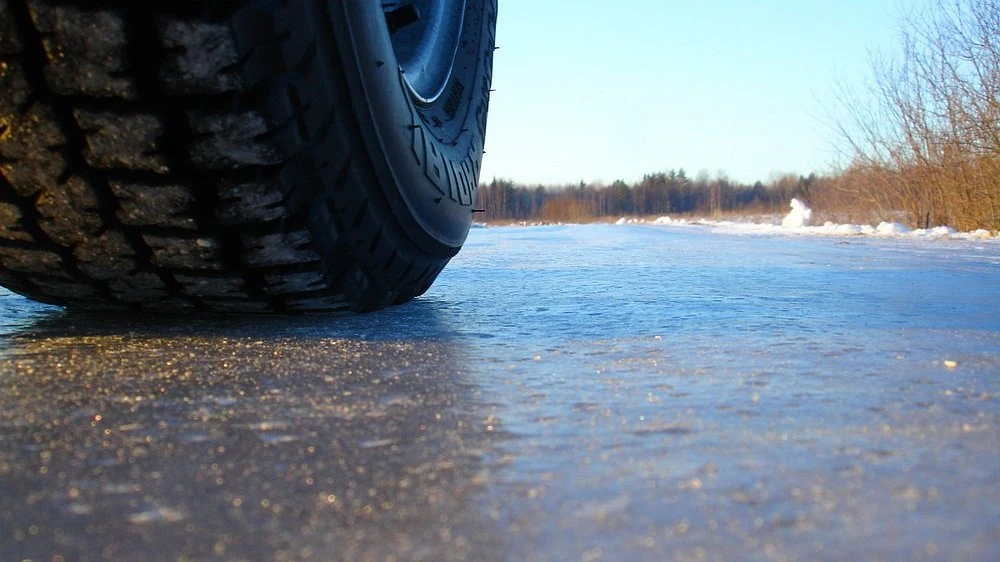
799 216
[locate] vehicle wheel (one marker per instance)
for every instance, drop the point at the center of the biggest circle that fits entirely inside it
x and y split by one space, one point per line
296 155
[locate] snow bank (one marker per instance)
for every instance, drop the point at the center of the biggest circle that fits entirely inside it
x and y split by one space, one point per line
891 229
668 220
798 219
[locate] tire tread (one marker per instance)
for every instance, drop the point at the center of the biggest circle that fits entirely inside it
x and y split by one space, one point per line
221 175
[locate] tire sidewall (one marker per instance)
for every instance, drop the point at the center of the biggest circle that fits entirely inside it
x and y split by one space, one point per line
426 158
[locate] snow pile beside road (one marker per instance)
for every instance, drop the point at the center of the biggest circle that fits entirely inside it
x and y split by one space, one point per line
798 219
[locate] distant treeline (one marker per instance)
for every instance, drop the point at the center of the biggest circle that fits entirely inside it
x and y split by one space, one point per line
671 192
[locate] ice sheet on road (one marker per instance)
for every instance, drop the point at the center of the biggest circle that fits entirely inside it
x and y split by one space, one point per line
616 392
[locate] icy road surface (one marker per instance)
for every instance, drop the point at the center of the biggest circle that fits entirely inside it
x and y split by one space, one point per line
606 392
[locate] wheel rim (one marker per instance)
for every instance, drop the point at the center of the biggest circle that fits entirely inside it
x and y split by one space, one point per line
425 36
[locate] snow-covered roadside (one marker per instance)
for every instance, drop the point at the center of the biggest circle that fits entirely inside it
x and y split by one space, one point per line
798 219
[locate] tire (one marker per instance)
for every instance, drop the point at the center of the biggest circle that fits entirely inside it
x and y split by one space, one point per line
241 156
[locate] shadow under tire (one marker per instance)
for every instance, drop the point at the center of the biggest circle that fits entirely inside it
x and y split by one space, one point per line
238 156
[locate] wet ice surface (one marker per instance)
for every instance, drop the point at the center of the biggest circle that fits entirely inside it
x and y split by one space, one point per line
562 393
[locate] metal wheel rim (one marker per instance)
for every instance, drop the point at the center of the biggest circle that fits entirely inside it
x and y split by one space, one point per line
425 36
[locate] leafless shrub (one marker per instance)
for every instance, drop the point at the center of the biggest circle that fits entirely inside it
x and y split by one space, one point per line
930 146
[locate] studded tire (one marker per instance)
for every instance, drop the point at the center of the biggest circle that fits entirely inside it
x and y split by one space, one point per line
245 156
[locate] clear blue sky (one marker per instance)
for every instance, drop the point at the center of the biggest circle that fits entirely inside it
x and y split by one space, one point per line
598 90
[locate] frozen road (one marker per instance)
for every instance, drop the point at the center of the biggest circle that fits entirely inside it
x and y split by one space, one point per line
563 393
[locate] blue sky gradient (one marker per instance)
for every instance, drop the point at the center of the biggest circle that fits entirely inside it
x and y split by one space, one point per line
594 90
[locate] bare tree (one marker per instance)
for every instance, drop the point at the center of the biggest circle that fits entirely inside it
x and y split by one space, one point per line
930 147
